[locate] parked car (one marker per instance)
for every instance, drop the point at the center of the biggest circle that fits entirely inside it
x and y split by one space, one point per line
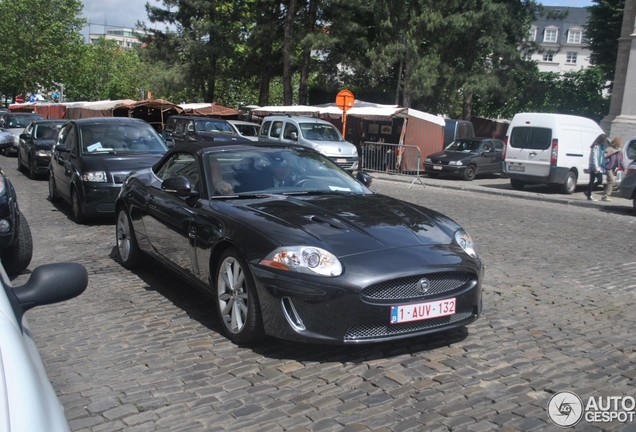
16 242
312 133
36 146
93 156
457 129
14 123
28 400
629 152
319 258
549 148
247 130
627 187
182 129
466 158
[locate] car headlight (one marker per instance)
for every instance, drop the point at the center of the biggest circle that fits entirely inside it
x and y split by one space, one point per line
459 163
304 259
465 242
428 160
95 176
43 153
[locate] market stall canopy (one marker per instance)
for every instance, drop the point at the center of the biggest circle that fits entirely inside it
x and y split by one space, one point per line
95 109
22 107
207 109
288 109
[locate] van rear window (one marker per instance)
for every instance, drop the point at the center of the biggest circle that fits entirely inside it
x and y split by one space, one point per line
534 138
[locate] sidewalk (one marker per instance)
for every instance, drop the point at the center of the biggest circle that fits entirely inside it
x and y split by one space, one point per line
497 185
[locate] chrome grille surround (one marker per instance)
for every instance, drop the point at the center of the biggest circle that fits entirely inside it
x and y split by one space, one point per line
407 287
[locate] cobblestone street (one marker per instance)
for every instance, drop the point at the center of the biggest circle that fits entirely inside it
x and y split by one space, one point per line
141 351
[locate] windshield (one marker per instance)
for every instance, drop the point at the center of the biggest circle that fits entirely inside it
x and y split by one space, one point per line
47 130
277 171
120 138
464 146
20 121
320 132
247 130
213 126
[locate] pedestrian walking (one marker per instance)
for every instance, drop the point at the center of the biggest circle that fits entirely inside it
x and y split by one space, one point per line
612 164
596 165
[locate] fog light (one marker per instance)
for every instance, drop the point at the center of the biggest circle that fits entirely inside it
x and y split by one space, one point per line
5 226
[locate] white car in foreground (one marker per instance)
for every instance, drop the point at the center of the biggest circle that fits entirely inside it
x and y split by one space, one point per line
28 402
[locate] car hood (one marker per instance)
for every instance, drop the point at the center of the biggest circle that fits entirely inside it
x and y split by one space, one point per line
347 224
450 156
120 163
44 143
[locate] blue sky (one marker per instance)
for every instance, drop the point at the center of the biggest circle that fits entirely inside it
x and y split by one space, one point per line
125 13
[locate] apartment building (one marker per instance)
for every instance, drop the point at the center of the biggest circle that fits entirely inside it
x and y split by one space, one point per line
563 48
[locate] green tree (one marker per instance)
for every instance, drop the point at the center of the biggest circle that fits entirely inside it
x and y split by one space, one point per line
602 32
40 41
103 70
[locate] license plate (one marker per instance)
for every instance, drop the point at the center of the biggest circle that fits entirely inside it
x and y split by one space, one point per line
437 167
422 311
517 168
341 160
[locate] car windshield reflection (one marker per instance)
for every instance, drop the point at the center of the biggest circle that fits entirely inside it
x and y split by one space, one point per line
277 171
464 146
120 139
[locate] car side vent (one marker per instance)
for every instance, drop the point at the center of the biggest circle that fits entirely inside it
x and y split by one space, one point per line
291 314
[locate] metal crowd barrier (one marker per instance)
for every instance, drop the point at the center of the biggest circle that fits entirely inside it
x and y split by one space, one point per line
392 158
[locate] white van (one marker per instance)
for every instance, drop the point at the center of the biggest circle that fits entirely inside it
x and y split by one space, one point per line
314 133
549 148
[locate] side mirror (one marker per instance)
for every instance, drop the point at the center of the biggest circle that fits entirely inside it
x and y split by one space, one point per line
24 136
61 148
179 185
364 178
51 283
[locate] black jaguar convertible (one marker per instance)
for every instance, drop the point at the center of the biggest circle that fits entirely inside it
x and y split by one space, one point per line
290 245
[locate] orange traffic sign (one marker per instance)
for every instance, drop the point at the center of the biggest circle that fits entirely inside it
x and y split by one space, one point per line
345 100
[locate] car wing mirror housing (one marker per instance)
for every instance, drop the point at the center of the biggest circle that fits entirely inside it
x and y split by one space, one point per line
49 284
179 185
61 148
364 178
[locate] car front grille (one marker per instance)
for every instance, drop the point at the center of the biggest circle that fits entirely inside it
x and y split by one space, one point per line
408 287
379 331
119 177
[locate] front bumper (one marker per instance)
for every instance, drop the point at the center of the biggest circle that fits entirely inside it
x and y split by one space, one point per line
454 170
342 310
99 198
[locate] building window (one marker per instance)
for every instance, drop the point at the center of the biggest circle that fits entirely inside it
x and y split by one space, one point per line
570 58
532 35
574 37
550 36
547 57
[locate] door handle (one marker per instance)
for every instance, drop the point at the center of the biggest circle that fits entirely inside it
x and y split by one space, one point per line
533 153
192 233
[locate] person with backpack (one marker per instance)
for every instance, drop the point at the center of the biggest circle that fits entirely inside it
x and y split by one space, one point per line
613 162
596 165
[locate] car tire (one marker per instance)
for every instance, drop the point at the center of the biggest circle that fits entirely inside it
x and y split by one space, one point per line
32 173
470 172
76 207
236 301
20 166
17 258
53 196
127 247
569 184
517 184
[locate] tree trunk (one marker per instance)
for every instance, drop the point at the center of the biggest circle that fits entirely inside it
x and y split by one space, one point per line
399 82
303 96
467 107
406 87
287 54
